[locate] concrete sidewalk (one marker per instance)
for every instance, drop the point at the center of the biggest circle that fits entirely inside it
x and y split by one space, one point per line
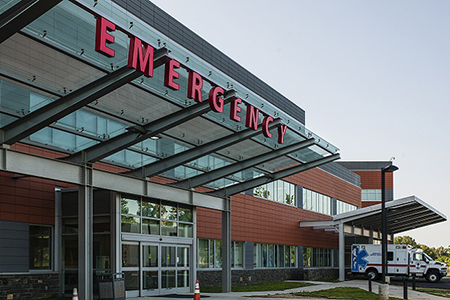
394 291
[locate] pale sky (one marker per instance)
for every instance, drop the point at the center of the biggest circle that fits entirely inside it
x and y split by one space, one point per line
372 76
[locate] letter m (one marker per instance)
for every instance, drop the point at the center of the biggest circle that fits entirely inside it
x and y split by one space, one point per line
140 59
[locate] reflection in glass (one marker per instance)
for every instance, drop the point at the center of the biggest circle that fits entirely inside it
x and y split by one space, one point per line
130 255
168 258
182 257
185 214
131 280
238 255
271 259
168 212
131 224
203 253
150 226
150 280
168 228
183 278
102 250
40 247
185 230
168 279
150 256
130 206
218 254
70 251
150 208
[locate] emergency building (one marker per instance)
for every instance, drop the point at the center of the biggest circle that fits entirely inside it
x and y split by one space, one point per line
130 144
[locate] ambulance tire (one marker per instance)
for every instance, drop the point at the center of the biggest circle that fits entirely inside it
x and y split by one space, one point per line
433 276
372 274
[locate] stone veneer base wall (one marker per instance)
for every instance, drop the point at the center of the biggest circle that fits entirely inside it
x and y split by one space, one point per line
29 286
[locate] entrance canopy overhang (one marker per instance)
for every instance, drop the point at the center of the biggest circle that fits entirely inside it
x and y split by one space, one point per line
403 214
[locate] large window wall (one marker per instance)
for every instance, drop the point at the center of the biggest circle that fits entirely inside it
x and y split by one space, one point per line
371 195
155 217
319 257
274 256
210 254
279 191
323 204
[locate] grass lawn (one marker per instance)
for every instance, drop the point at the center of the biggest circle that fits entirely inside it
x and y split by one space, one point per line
436 292
268 286
341 293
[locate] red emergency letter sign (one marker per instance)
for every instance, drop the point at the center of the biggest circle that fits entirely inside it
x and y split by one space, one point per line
170 74
235 109
265 126
140 59
281 132
252 117
102 37
195 84
215 102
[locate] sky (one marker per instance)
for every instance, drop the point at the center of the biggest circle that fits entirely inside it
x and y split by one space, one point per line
372 76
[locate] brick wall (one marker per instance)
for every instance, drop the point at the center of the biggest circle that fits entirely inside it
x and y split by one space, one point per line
372 179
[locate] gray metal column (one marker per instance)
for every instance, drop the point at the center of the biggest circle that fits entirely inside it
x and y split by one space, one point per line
85 236
194 254
341 252
226 249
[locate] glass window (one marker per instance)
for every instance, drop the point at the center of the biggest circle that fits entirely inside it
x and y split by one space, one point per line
40 247
203 253
168 228
131 224
183 257
185 214
264 255
271 258
168 212
150 256
185 230
293 256
211 253
130 206
150 226
238 255
218 254
150 208
168 257
130 255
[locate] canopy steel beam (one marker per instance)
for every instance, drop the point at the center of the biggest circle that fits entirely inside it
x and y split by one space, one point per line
22 14
241 165
60 108
135 135
57 170
250 184
194 153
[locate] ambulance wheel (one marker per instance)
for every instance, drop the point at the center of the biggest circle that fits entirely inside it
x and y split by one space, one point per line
433 277
372 274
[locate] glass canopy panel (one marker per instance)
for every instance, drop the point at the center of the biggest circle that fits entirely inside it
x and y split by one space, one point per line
6 119
244 150
63 141
73 28
277 164
198 131
30 61
135 104
7 4
130 159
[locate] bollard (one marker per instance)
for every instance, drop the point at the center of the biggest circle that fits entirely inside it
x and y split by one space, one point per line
370 284
414 281
405 287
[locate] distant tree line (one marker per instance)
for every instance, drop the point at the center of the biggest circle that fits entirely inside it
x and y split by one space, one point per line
441 253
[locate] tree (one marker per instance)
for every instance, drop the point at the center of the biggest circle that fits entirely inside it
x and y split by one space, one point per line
405 240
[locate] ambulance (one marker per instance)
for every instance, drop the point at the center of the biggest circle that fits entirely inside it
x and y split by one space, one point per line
366 259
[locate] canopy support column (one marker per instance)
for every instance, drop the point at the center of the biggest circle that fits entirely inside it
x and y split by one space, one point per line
341 252
85 236
226 248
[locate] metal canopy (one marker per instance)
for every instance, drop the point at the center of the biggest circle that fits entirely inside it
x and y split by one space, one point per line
403 214
112 118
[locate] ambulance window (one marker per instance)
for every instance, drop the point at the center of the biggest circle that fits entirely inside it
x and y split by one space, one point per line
390 255
418 256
